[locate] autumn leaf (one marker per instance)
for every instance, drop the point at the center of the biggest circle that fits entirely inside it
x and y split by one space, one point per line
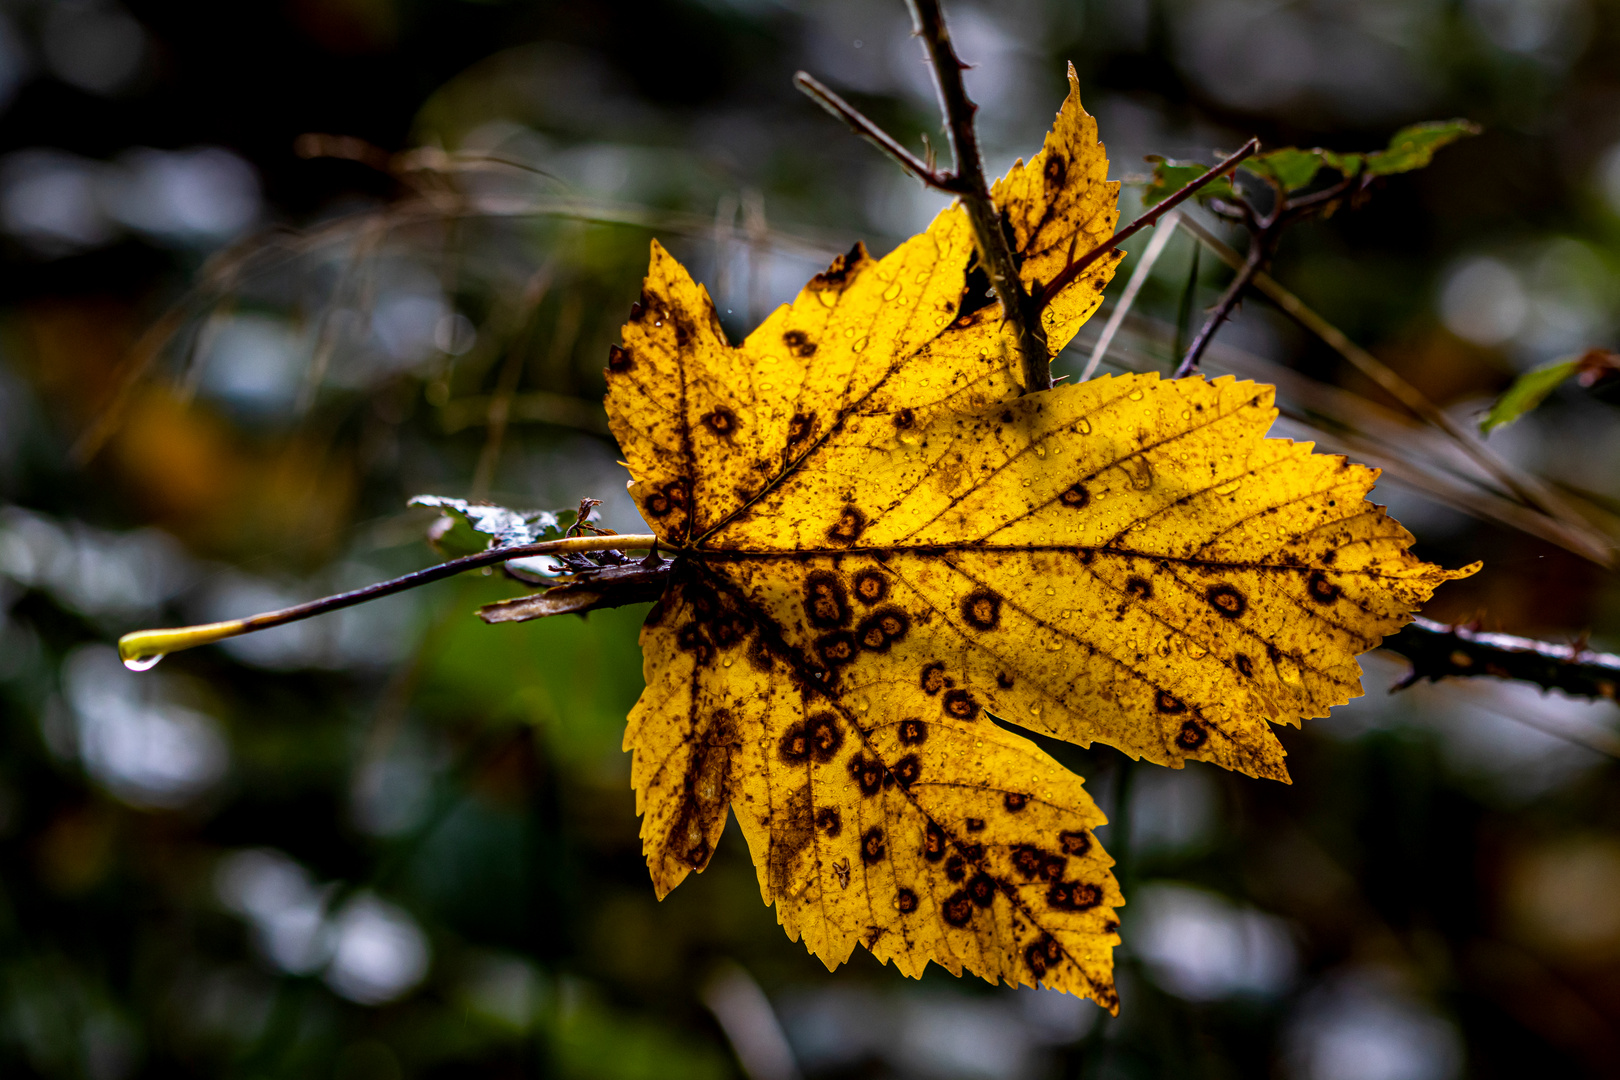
880 543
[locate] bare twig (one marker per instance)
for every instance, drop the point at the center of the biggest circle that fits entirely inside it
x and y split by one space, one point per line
995 254
1258 247
1527 489
1078 266
143 648
824 96
1437 651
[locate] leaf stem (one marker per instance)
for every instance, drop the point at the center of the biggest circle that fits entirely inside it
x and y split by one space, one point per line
143 648
995 253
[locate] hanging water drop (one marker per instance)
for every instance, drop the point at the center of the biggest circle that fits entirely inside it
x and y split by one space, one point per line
143 663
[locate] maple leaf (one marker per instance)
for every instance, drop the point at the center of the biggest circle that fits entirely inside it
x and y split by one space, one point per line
880 542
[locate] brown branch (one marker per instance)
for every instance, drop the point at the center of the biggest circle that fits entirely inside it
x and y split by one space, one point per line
823 95
995 254
1151 217
1224 308
1437 651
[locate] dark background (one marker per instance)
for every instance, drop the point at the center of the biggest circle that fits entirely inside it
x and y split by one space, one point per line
396 842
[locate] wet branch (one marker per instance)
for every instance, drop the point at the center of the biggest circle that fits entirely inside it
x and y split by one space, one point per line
1437 651
143 648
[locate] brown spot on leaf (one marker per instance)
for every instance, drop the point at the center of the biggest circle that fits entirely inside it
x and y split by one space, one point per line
799 343
905 419
672 496
825 603
1027 859
868 774
1041 956
836 649
870 586
973 824
1321 589
907 770
1075 496
1244 665
882 629
1191 736
1015 801
961 704
1073 896
982 889
872 847
913 732
1074 841
1054 171
1004 680
933 678
720 420
981 609
1167 702
958 909
933 843
800 428
849 526
1227 600
905 901
955 867
828 821
1136 585
619 359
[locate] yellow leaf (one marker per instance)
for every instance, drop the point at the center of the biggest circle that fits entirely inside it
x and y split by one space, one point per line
880 543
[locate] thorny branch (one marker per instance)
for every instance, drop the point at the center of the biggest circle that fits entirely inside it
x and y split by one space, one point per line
1035 366
1437 651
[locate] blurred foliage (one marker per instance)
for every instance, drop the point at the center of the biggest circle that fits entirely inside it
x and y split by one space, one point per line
398 842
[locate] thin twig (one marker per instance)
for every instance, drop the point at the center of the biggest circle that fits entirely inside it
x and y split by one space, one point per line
144 648
1139 276
823 95
995 254
1078 266
1225 306
1529 490
1437 651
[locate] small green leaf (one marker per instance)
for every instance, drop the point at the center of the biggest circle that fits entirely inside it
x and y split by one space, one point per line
1289 168
1528 391
467 528
1413 147
1170 177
